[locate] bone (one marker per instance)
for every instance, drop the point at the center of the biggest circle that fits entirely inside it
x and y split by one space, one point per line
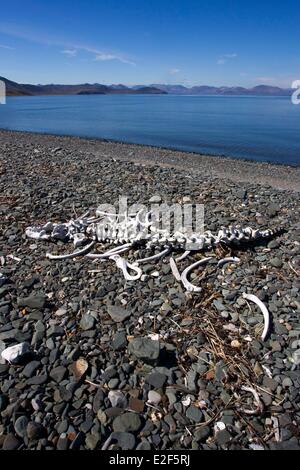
115 251
14 353
259 405
264 310
82 252
155 257
183 257
174 269
124 265
188 285
224 261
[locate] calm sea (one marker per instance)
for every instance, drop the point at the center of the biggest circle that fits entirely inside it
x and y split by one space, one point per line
259 128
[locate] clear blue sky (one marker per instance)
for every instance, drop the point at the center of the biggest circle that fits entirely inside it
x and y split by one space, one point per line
220 42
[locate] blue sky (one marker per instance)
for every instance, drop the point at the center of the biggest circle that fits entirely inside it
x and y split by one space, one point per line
192 42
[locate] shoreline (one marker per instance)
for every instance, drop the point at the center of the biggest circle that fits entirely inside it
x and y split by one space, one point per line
276 175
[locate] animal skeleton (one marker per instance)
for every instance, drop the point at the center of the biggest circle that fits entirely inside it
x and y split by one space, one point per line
131 232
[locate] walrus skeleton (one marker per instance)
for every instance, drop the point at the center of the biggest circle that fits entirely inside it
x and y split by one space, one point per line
132 232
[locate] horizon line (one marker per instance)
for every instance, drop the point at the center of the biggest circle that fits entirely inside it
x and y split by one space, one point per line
151 84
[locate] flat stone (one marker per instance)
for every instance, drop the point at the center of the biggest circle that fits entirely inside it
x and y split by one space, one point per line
156 379
113 412
271 384
30 368
61 312
91 441
276 262
125 440
127 422
194 414
117 398
55 330
37 380
62 443
11 442
136 405
87 322
58 374
118 314
154 398
287 382
101 415
113 383
119 341
35 302
9 335
145 349
35 431
223 437
171 397
21 426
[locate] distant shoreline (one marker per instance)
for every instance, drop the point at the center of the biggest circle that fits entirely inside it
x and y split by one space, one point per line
279 176
22 89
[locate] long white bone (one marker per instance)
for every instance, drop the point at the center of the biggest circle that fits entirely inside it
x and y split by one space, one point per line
154 257
184 256
82 252
188 285
264 310
174 269
115 251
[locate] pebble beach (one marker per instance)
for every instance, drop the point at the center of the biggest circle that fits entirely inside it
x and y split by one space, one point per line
145 365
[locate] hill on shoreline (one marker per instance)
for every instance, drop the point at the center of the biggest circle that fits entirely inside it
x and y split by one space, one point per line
17 89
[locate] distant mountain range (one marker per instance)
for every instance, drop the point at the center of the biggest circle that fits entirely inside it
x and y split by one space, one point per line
17 89
260 90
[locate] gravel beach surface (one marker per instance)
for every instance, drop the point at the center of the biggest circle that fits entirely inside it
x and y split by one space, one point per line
102 363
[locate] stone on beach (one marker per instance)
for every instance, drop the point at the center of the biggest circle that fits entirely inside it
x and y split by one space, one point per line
145 349
34 301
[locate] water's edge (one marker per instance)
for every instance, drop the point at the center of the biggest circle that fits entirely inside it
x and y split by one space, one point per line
272 175
157 147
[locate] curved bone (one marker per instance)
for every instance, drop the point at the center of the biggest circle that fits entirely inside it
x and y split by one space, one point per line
115 251
264 310
228 260
155 257
124 265
184 256
188 285
174 269
259 405
82 252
